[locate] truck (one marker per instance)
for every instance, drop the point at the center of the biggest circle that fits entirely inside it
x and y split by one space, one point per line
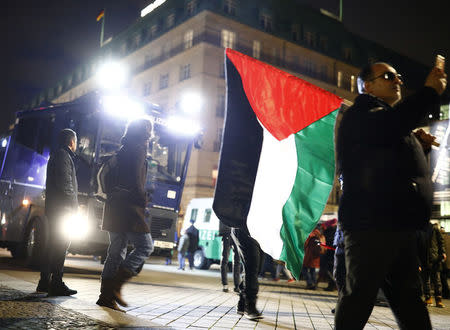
210 243
99 121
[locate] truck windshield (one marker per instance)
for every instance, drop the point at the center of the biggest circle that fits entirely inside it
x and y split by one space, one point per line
167 158
166 152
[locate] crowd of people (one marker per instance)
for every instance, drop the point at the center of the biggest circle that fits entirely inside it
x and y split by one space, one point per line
383 238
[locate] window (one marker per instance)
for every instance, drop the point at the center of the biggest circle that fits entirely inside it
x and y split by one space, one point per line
228 39
220 108
323 43
324 71
147 59
230 6
339 79
310 67
207 216
154 30
348 53
164 81
166 50
265 21
185 72
352 84
188 38
170 20
256 49
310 38
194 213
147 89
191 7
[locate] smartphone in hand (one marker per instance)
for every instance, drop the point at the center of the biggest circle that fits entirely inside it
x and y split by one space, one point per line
440 62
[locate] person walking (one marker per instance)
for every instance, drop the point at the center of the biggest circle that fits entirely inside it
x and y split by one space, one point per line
435 254
192 232
61 200
227 244
251 256
124 216
311 261
183 245
387 195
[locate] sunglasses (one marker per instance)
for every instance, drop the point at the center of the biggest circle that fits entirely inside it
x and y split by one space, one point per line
389 75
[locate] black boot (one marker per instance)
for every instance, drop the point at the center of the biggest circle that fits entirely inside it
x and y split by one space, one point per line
44 283
122 276
250 310
240 305
59 288
107 297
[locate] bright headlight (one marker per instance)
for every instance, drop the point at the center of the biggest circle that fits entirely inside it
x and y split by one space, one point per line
183 126
75 226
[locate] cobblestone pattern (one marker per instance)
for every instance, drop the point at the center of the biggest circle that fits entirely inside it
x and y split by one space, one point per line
19 310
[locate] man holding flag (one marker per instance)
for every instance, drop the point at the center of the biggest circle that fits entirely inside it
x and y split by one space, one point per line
387 195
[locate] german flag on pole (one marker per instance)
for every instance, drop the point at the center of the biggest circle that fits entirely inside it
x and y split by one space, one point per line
276 167
100 15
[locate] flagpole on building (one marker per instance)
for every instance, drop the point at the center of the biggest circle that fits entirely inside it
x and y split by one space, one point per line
340 9
101 16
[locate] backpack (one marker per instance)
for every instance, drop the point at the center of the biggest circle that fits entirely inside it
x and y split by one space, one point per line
107 177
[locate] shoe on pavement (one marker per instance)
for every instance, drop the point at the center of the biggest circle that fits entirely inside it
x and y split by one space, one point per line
291 280
43 286
236 290
240 306
439 302
252 313
60 289
225 288
428 301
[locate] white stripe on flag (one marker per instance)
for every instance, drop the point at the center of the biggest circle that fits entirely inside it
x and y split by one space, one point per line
273 185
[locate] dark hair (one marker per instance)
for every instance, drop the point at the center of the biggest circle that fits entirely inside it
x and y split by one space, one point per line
65 136
137 132
366 74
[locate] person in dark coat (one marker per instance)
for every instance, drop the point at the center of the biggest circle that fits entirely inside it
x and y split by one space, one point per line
124 215
387 195
327 259
61 200
435 254
192 232
227 244
311 261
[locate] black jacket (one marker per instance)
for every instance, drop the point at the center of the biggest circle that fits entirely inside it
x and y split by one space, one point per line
387 184
125 207
192 232
61 187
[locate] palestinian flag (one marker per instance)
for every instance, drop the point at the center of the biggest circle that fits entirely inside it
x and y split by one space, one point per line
276 167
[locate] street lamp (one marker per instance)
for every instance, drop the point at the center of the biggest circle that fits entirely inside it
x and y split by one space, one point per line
111 75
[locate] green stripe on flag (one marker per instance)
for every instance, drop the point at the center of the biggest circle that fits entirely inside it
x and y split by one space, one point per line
312 186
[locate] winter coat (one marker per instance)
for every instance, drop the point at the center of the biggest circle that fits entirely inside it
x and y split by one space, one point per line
313 250
193 238
436 247
385 172
183 244
61 186
125 206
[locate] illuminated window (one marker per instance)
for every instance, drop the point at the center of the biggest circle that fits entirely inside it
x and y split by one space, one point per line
228 39
188 38
256 49
185 72
164 81
352 84
339 79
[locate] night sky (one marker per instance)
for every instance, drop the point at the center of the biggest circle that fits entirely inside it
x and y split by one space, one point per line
45 39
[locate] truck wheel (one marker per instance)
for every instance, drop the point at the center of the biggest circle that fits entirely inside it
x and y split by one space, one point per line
34 243
200 261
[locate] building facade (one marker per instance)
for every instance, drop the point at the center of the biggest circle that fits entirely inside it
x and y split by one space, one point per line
179 47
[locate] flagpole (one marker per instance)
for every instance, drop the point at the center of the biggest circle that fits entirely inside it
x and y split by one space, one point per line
103 29
340 10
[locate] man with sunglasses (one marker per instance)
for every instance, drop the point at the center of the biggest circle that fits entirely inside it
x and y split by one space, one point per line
387 195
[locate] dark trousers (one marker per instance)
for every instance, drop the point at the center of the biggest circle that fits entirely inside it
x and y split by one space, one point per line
386 260
250 253
227 243
57 245
190 256
431 275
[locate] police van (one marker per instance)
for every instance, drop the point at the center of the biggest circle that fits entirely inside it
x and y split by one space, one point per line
207 223
99 121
